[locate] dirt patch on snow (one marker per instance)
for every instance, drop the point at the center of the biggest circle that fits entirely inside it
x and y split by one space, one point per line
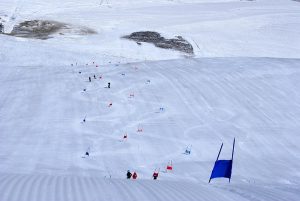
45 29
178 43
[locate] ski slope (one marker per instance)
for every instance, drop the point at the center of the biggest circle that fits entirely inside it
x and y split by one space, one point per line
207 101
242 82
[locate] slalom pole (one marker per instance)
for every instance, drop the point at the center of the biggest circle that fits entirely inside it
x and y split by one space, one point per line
219 152
190 150
217 159
232 158
233 149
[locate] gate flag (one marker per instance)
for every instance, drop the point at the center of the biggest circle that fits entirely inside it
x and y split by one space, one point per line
222 168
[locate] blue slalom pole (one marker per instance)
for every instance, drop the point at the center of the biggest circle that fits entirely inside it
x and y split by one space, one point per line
232 157
217 159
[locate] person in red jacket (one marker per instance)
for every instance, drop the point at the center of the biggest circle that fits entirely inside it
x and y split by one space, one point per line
134 176
155 175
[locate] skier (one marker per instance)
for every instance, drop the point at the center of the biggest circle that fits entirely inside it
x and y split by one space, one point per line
95 77
90 79
108 85
128 174
155 175
188 150
87 153
134 176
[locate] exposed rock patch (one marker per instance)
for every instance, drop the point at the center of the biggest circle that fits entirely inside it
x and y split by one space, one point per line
178 43
44 29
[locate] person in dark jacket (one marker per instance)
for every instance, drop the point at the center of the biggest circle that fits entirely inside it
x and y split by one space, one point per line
128 174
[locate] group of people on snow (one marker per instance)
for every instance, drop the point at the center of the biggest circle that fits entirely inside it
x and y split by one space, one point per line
90 80
129 175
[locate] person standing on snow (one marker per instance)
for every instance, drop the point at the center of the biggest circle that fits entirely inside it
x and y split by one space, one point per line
90 79
134 176
128 174
155 175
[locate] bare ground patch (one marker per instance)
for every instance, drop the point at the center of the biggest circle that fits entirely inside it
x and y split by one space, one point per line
178 43
45 29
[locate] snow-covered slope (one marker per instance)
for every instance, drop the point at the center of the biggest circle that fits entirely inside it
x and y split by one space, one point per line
262 28
206 102
230 88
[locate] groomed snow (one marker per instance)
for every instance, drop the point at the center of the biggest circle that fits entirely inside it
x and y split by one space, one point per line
207 101
242 82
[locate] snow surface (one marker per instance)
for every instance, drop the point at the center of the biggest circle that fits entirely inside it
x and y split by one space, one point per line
230 88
